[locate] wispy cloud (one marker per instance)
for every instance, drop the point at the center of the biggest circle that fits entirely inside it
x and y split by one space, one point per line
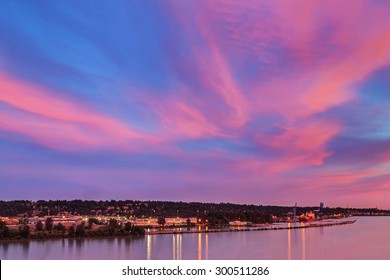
59 122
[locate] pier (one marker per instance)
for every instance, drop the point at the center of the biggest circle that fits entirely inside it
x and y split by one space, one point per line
261 228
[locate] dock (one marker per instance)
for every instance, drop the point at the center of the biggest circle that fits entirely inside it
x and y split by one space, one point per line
268 227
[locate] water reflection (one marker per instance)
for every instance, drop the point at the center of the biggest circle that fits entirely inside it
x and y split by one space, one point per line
25 247
177 240
207 247
4 251
303 244
203 246
127 242
199 246
289 243
148 247
79 245
313 243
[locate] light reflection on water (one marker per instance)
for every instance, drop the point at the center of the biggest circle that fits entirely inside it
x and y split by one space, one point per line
149 247
200 246
365 239
289 244
177 246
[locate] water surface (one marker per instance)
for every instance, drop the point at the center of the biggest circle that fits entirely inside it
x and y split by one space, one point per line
368 238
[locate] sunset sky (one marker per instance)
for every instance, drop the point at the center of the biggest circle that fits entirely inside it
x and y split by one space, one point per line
264 102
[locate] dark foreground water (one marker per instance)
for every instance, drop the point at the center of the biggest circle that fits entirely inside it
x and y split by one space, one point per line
368 238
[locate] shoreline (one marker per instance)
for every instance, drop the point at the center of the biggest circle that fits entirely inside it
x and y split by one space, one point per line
313 224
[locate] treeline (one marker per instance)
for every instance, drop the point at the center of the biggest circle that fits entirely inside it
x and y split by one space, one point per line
131 208
157 208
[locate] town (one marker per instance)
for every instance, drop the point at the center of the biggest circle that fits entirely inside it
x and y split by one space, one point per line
78 218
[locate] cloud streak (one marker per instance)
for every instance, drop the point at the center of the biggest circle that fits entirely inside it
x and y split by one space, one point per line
60 123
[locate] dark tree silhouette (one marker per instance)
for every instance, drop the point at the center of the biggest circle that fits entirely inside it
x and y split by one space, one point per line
49 224
112 223
60 227
80 230
71 231
39 226
4 230
137 231
128 226
24 231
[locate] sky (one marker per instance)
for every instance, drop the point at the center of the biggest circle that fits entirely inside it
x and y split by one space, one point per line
263 102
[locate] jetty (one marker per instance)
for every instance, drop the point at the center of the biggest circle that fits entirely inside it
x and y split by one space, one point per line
288 226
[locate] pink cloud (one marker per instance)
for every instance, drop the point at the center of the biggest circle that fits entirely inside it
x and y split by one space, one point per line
304 143
213 68
335 82
313 34
218 76
58 122
179 119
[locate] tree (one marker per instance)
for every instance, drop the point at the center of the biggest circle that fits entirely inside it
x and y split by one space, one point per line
128 226
49 224
71 231
2 225
4 230
137 230
24 231
39 226
80 230
60 227
112 223
161 221
112 226
188 222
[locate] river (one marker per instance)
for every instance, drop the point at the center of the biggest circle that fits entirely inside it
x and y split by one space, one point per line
367 238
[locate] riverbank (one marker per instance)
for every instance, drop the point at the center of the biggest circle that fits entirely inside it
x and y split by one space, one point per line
25 232
136 231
